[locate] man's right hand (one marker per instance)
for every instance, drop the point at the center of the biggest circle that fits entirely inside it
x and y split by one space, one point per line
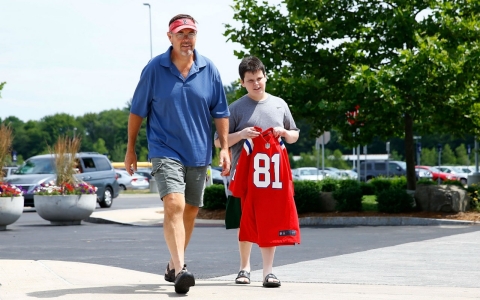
130 162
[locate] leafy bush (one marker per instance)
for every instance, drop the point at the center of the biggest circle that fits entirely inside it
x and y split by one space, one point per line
394 200
329 185
214 197
474 193
367 188
454 182
348 183
426 181
307 196
348 196
399 182
380 184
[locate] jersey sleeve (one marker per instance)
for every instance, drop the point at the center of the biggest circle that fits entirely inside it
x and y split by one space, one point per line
239 181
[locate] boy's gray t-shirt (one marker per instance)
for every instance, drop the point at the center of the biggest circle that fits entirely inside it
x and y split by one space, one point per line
245 112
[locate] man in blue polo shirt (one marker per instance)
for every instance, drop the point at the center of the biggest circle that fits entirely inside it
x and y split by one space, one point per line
179 92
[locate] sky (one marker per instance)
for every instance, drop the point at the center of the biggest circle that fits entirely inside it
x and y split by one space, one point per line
85 56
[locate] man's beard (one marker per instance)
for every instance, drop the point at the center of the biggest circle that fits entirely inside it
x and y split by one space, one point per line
186 53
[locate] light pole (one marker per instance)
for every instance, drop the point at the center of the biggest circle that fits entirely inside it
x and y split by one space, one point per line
418 147
150 18
439 150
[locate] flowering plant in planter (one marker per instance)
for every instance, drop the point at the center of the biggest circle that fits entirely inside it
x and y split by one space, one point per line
9 190
66 183
78 188
6 138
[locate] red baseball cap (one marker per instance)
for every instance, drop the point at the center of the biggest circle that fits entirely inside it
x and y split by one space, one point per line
180 24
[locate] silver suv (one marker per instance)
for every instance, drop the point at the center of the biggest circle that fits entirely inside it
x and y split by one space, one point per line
94 168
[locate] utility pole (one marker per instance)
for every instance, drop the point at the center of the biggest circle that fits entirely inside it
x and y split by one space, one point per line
150 18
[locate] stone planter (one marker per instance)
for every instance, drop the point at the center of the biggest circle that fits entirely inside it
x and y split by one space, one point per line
65 209
442 198
11 209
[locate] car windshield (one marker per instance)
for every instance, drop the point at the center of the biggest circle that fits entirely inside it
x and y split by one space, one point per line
309 172
433 169
457 170
37 166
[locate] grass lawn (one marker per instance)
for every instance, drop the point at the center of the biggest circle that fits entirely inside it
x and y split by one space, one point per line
369 203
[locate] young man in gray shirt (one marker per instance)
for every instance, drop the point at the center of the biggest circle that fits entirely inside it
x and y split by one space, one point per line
256 108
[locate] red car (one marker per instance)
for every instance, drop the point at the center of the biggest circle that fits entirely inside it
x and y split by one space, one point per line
436 173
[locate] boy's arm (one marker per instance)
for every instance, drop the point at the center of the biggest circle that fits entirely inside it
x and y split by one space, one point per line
235 137
290 136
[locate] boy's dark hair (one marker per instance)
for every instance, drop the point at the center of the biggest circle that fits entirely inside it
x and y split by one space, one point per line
181 16
250 64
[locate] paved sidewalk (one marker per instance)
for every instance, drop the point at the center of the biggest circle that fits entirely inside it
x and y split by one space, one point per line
442 268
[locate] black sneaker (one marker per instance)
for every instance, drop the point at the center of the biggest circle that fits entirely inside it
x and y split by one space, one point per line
170 275
184 281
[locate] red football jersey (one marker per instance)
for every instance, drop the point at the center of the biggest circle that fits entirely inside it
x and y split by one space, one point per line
263 181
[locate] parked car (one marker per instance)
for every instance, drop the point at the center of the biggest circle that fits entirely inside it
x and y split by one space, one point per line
330 174
457 171
131 182
374 168
436 173
468 169
145 173
347 174
94 168
307 173
7 171
217 175
423 174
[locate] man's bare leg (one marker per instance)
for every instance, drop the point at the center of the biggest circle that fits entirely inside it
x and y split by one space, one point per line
189 214
174 229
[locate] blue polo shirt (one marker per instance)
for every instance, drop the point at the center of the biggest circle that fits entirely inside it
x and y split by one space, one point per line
179 110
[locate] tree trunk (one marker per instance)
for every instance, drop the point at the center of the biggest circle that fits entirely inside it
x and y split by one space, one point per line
410 153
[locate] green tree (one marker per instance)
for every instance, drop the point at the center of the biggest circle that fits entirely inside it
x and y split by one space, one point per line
337 161
448 157
428 157
99 146
56 125
231 91
369 68
395 155
118 153
1 88
462 156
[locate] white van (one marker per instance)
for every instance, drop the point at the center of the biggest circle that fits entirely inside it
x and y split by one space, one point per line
7 171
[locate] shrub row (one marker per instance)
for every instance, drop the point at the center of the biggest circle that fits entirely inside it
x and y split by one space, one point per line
391 194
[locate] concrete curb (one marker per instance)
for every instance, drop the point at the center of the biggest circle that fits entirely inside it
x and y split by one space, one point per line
315 221
378 221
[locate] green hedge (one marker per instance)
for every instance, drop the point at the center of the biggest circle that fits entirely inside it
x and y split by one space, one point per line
391 194
474 193
214 197
394 200
307 196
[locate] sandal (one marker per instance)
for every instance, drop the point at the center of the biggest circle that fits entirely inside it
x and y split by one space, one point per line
243 275
170 274
183 281
267 283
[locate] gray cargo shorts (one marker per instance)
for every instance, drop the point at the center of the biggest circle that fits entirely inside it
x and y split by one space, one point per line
171 176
